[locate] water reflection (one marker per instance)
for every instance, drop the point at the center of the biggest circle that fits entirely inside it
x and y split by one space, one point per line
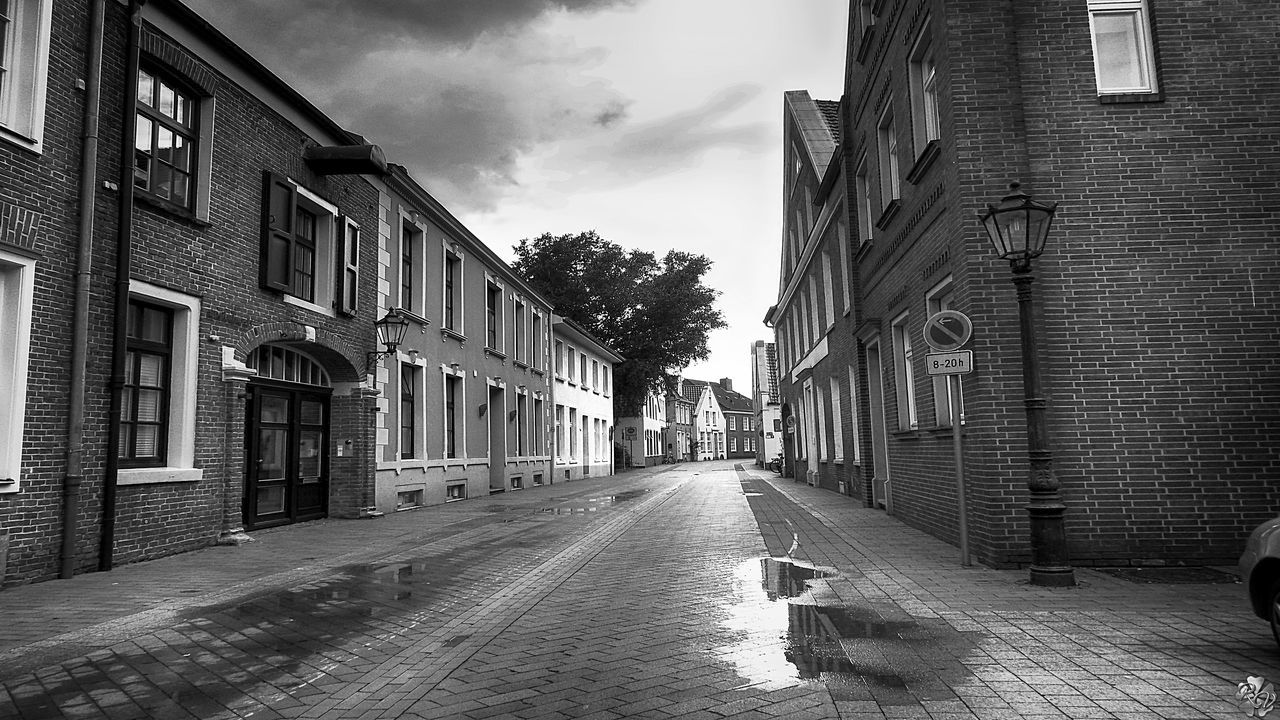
789 631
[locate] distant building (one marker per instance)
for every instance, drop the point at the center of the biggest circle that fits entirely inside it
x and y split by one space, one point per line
766 402
583 396
739 420
680 431
641 439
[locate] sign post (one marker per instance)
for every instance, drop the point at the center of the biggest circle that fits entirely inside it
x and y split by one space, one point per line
946 332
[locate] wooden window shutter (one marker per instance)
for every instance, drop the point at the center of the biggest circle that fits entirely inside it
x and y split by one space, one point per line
279 208
349 275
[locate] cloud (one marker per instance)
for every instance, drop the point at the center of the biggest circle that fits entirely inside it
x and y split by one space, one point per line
455 90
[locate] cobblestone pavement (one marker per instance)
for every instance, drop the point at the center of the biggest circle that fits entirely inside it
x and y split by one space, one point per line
698 590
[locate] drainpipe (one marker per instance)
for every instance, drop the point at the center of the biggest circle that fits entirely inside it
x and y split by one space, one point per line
80 320
124 252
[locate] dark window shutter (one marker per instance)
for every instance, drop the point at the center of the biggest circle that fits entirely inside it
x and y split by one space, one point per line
349 277
279 207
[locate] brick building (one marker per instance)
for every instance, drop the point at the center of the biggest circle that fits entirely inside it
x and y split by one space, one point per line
739 420
1152 125
195 345
813 317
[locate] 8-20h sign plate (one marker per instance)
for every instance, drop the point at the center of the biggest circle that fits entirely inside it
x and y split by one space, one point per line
959 362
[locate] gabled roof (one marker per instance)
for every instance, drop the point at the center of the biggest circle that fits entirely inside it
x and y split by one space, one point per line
816 127
729 400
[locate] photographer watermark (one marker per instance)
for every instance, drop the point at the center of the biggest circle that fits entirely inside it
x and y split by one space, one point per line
1257 696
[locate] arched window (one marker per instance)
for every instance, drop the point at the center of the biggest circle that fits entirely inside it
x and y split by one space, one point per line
278 362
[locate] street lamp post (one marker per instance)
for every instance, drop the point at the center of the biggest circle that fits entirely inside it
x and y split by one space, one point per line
1018 227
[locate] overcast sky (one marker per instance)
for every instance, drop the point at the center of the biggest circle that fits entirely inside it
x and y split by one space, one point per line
656 123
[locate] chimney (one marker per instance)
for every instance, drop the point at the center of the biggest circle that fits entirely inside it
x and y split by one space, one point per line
727 384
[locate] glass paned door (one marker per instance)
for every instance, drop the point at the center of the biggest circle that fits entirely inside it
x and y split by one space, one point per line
287 468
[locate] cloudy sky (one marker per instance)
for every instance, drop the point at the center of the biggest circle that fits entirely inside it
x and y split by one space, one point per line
657 123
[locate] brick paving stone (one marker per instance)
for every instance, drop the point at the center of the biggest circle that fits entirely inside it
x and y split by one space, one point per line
643 608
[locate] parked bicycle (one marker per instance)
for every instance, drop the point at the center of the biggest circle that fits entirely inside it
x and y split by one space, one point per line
776 465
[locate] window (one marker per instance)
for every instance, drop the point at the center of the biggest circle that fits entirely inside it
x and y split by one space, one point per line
409 399
887 149
493 315
410 260
936 300
350 277
604 376
1123 47
167 138
846 268
518 333
904 375
571 363
453 404
733 444
301 234
144 417
17 291
159 397
863 196
582 367
560 431
595 375
24 59
853 415
837 423
924 91
559 358
522 424
536 359
573 436
539 442
455 491
408 499
452 292
828 288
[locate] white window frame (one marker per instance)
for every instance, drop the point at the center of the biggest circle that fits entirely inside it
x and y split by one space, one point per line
853 416
450 253
828 289
17 293
449 374
925 120
25 74
1142 47
904 374
837 424
492 283
887 154
862 191
327 216
180 443
421 452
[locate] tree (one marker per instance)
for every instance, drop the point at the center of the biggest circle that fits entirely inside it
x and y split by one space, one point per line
657 314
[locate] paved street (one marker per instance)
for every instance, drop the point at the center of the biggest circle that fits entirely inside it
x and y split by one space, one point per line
705 590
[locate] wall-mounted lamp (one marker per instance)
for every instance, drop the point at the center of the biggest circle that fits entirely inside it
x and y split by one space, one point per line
391 331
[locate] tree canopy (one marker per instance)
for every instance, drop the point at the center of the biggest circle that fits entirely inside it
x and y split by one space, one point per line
657 314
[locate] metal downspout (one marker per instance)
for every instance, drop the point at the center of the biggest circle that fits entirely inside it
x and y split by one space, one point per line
124 252
80 321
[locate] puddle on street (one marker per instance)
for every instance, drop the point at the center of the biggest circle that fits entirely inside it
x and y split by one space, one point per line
791 629
595 504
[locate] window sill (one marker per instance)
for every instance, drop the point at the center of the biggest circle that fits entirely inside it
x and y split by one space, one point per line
306 305
495 353
156 475
536 371
520 364
182 212
413 316
449 333
1127 98
930 153
890 212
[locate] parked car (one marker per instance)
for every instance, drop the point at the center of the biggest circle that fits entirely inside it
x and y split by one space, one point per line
1260 571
